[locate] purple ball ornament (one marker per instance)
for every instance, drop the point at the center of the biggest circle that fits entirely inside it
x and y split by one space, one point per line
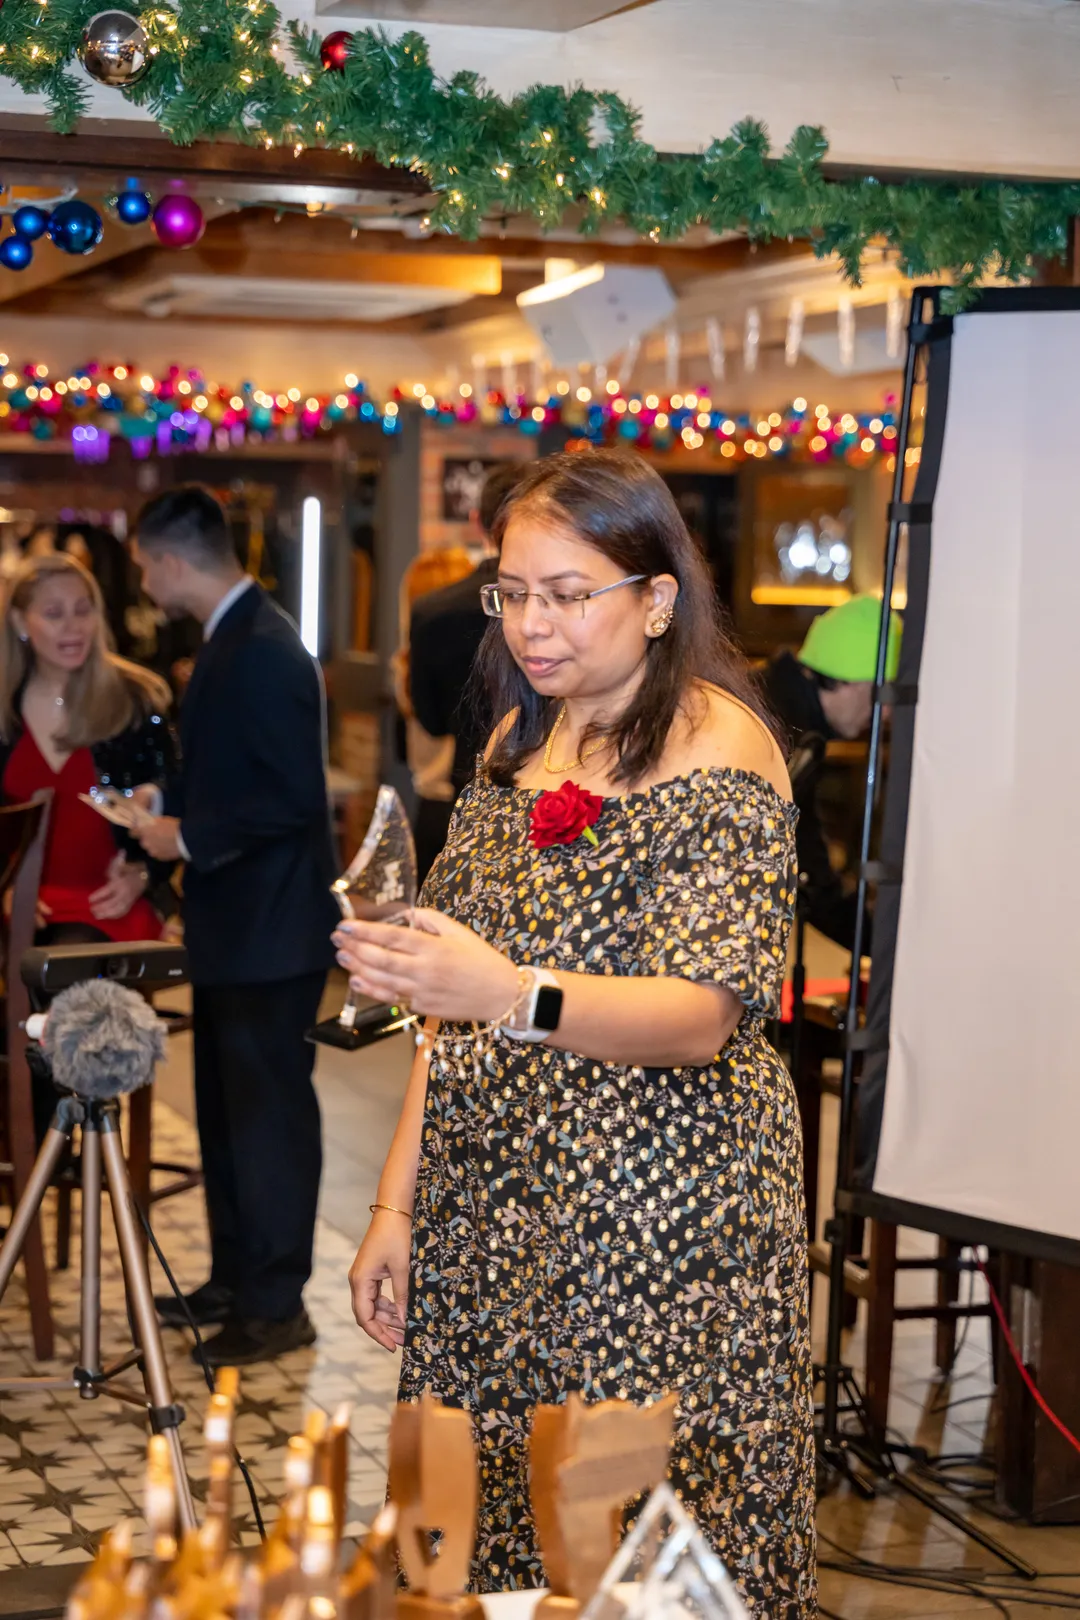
178 221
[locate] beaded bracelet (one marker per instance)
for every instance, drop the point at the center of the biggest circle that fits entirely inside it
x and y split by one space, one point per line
479 1033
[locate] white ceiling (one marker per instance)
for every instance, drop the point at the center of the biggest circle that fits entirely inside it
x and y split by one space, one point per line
962 85
549 16
969 85
271 298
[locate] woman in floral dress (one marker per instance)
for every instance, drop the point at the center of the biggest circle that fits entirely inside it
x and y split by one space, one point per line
596 1181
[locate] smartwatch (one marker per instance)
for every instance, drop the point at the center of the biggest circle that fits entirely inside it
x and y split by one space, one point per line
540 1010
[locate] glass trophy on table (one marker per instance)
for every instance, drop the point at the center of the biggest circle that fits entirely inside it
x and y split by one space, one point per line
378 885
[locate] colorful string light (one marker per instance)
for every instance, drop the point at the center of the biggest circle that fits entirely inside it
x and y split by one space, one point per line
182 410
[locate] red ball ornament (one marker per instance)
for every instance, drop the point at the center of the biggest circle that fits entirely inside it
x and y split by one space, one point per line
334 51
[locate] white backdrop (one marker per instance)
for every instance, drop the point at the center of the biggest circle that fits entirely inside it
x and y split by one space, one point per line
982 1104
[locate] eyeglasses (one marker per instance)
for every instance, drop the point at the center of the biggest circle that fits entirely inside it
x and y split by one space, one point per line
500 603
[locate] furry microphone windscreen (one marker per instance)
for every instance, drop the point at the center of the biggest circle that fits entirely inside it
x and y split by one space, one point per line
102 1040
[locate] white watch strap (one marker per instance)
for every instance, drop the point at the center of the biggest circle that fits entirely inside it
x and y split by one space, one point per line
523 1028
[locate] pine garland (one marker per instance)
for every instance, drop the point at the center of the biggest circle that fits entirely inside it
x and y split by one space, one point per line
230 69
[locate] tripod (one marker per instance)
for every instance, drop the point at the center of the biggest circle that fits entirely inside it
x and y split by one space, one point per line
101 1145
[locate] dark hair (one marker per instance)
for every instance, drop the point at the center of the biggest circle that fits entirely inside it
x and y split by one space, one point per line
614 500
497 486
189 521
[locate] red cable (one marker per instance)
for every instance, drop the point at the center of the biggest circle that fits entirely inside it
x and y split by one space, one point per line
1010 1342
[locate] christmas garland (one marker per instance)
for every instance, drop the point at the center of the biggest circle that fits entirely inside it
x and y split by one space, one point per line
230 69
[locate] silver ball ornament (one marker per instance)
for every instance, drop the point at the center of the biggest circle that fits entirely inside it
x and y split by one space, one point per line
113 48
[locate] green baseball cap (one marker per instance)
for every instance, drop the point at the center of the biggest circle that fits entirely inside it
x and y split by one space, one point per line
842 644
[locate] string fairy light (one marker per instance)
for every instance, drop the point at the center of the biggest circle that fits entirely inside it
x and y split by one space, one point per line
97 404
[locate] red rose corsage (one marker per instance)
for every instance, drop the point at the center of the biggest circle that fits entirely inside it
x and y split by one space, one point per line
560 818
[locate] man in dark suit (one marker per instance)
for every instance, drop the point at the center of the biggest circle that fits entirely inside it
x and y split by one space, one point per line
445 632
249 816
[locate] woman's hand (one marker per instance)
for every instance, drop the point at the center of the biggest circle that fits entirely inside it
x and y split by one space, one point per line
383 1256
437 967
126 882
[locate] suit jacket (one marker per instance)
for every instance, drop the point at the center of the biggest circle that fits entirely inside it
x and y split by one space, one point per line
445 632
252 803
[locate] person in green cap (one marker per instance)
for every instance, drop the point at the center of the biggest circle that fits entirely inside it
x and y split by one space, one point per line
826 691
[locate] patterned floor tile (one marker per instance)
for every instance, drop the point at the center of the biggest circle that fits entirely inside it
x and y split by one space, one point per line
71 1469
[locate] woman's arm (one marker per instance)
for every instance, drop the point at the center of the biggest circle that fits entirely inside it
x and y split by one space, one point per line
644 1023
397 1184
448 971
384 1254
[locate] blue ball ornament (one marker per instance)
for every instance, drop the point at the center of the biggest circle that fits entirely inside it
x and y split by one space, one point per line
15 252
133 206
75 227
31 221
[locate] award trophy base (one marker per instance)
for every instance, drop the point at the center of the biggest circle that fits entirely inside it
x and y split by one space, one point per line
418 1606
553 1607
371 1021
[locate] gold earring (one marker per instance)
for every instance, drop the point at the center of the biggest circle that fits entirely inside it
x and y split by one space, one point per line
662 622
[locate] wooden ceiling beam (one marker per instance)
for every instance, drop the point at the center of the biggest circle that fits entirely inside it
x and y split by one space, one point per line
103 153
479 276
259 226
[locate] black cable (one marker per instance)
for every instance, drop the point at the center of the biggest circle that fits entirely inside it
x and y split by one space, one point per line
963 1580
928 1582
200 1356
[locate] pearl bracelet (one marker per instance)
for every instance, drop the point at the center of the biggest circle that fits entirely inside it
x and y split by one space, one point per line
480 1033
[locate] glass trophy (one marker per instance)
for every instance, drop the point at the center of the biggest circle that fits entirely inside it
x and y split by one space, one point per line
665 1570
378 885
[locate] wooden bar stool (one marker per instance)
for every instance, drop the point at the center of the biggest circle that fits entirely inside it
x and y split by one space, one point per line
24 829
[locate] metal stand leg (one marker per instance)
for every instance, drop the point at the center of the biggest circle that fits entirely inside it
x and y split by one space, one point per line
165 1414
56 1140
90 1282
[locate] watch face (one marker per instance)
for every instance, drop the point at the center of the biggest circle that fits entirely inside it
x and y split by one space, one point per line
548 1009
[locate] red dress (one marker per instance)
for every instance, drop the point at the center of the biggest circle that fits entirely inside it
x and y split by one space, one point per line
80 845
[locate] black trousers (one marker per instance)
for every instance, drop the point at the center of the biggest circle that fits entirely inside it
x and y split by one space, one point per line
429 831
261 1138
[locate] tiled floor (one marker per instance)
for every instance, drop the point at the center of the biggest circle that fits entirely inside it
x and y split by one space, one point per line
69 1468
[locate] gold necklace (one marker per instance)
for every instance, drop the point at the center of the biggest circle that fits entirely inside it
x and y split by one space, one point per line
564 770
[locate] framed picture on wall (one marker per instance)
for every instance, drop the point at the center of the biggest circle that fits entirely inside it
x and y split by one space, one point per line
462 481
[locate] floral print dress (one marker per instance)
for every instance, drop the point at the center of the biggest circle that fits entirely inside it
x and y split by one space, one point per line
624 1232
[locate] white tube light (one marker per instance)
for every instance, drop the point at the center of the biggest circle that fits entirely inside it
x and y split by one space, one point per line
310 570
562 287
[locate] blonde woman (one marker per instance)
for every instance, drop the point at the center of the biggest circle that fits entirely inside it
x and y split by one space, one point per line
73 715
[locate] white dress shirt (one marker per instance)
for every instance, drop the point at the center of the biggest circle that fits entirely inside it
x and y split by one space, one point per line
231 596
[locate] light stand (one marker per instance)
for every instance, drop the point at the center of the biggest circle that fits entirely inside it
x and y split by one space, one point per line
838 1449
101 1147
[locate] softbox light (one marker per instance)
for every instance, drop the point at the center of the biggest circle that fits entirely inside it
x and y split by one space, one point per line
969 1105
590 316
